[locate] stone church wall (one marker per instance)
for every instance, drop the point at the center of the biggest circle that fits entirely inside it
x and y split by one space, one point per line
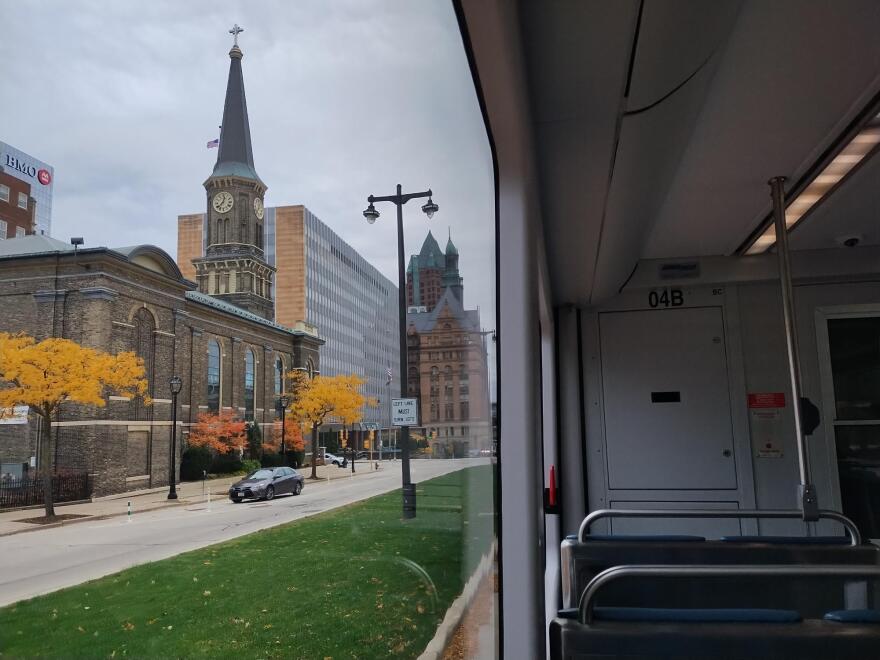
108 304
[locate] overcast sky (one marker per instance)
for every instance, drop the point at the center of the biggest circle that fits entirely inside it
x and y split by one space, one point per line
345 97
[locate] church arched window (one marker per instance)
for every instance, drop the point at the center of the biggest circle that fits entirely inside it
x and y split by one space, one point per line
249 371
213 380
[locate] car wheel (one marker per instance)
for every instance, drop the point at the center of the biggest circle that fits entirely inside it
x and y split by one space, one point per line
297 488
270 493
336 463
236 500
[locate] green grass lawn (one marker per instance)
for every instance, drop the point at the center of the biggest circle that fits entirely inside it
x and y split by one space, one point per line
357 582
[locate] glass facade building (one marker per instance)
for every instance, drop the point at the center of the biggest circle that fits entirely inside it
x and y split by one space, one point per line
354 307
40 176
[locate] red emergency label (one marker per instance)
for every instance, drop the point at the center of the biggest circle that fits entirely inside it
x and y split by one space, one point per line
767 400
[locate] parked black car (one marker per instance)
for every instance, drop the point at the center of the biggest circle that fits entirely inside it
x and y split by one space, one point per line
266 483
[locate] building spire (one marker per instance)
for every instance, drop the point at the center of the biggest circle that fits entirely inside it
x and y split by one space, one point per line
235 156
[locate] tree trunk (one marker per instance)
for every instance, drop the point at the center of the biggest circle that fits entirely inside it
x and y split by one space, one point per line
314 451
45 466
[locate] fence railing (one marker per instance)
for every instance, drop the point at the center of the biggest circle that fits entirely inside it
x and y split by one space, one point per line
28 491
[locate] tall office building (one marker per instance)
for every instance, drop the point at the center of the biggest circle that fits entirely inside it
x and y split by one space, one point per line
448 367
36 174
324 282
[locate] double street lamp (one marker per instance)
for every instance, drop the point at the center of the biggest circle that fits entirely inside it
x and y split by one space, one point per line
371 214
176 384
283 403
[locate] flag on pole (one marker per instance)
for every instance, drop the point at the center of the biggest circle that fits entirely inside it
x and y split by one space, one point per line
213 144
388 373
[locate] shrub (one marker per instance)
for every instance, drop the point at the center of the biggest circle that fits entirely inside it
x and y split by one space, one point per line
194 462
250 465
270 459
296 458
226 463
254 440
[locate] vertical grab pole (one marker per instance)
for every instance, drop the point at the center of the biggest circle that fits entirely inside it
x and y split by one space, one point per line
806 490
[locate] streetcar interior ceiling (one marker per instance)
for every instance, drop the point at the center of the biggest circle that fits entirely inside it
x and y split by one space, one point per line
660 141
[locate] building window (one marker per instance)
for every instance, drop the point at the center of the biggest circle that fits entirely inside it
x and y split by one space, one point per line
465 410
447 372
22 200
435 374
214 360
463 372
4 193
435 413
450 411
465 431
19 232
2 230
249 384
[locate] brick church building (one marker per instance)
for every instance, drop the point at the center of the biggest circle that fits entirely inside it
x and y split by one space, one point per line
446 354
217 335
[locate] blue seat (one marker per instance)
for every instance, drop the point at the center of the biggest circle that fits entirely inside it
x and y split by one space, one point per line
792 540
853 616
695 615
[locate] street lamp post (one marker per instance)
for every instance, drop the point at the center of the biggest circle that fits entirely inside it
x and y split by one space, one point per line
176 384
283 402
371 214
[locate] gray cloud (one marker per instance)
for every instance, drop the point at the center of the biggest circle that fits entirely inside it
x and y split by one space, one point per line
346 98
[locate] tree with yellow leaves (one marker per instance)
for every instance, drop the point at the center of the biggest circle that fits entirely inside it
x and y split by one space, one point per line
323 398
47 374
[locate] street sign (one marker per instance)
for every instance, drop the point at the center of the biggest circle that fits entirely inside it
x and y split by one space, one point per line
404 412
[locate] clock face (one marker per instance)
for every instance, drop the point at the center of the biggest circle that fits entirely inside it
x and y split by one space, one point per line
222 202
258 207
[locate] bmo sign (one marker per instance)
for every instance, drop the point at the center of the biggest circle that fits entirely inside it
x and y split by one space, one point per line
404 412
22 167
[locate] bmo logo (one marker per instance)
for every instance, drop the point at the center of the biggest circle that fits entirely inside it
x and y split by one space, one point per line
41 175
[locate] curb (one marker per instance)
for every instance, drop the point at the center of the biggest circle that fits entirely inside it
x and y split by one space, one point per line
454 615
88 518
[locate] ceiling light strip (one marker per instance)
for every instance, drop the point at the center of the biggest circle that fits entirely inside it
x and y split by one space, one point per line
839 164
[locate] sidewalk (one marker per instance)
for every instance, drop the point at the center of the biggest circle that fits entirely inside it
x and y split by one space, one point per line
188 492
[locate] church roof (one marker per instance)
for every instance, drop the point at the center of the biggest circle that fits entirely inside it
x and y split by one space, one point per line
235 156
468 319
216 303
33 244
450 246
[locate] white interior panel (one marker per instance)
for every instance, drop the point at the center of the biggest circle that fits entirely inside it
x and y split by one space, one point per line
701 527
667 405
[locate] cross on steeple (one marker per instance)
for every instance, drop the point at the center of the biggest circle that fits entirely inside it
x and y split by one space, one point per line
235 31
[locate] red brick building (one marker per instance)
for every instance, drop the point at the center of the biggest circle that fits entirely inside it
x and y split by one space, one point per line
17 207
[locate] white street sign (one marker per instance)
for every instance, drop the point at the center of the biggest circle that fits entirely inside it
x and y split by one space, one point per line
404 412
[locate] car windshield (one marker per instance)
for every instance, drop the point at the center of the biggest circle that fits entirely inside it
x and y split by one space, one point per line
261 474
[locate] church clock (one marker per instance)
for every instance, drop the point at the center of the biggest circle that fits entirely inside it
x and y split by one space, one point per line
258 207
223 202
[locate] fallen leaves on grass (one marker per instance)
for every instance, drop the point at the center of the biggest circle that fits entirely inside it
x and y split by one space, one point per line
128 625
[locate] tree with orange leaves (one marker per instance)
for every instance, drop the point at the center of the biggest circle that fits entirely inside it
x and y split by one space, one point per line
47 374
221 432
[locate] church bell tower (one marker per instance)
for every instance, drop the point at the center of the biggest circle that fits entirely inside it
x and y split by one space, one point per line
234 268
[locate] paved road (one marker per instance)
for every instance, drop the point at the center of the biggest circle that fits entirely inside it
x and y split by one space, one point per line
38 562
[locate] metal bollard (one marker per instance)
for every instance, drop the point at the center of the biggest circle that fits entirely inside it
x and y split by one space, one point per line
128 519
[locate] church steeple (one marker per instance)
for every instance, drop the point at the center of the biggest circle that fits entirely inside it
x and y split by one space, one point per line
235 157
234 267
